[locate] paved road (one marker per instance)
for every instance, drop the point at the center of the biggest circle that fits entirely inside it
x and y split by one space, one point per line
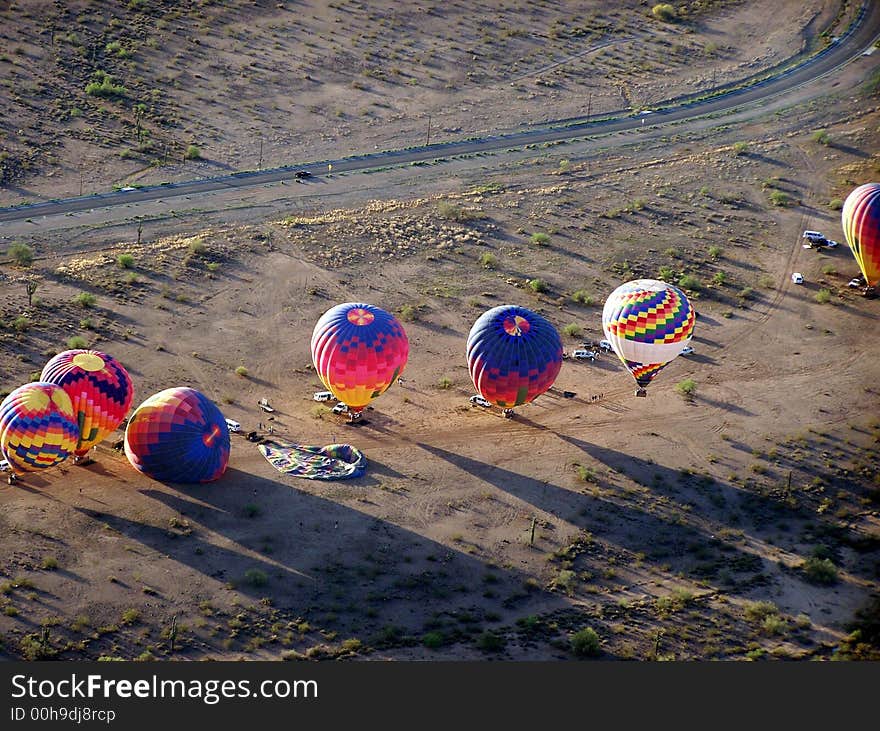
857 39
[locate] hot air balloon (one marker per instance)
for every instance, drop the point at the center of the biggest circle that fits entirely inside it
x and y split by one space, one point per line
860 218
513 355
99 388
648 323
37 427
178 435
358 351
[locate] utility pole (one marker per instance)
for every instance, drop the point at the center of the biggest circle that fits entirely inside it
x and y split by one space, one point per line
428 139
260 165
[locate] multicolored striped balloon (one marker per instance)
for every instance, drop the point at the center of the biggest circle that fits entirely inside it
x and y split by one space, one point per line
37 427
648 323
99 388
513 355
358 351
178 435
860 218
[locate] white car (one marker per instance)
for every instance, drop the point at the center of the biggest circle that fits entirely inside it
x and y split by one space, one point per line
831 244
323 396
857 282
233 425
340 408
583 354
605 345
478 400
797 278
4 465
687 350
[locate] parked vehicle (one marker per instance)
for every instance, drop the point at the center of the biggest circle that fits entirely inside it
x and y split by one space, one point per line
233 425
323 396
478 400
340 408
581 354
797 278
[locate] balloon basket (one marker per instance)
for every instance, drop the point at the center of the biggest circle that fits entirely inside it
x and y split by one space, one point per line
641 393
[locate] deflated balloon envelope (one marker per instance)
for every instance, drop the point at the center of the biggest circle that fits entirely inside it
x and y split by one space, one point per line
100 390
178 435
860 218
648 323
37 427
358 351
513 355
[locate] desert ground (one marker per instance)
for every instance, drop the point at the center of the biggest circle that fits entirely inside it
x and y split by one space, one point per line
739 522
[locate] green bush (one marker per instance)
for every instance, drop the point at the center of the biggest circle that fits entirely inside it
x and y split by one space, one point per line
407 313
740 148
780 198
256 578
21 254
537 285
85 299
540 238
819 570
584 297
77 342
822 137
585 642
573 330
125 261
719 278
241 371
490 642
823 296
193 153
715 251
488 261
666 274
444 383
104 87
687 387
130 616
433 640
21 324
835 204
689 281
664 12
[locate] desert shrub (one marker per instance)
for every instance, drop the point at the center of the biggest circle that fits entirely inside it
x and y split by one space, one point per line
104 87
537 285
196 245
829 269
21 324
835 204
740 148
241 371
255 577
50 563
664 12
212 266
193 153
819 570
573 330
130 278
584 297
407 313
453 212
488 261
540 238
780 198
444 383
689 281
665 274
687 387
719 278
773 624
77 342
638 204
585 642
21 254
251 510
758 611
85 299
125 261
490 642
130 616
587 474
433 640
823 296
746 293
822 137
715 251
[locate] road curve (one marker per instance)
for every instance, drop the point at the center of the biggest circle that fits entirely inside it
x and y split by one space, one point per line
859 36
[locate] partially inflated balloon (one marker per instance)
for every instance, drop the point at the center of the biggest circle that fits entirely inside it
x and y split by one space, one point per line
99 388
648 323
37 427
178 435
860 218
513 355
358 351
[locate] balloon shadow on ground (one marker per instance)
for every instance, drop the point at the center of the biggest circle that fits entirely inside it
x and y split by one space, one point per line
722 405
685 547
315 557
